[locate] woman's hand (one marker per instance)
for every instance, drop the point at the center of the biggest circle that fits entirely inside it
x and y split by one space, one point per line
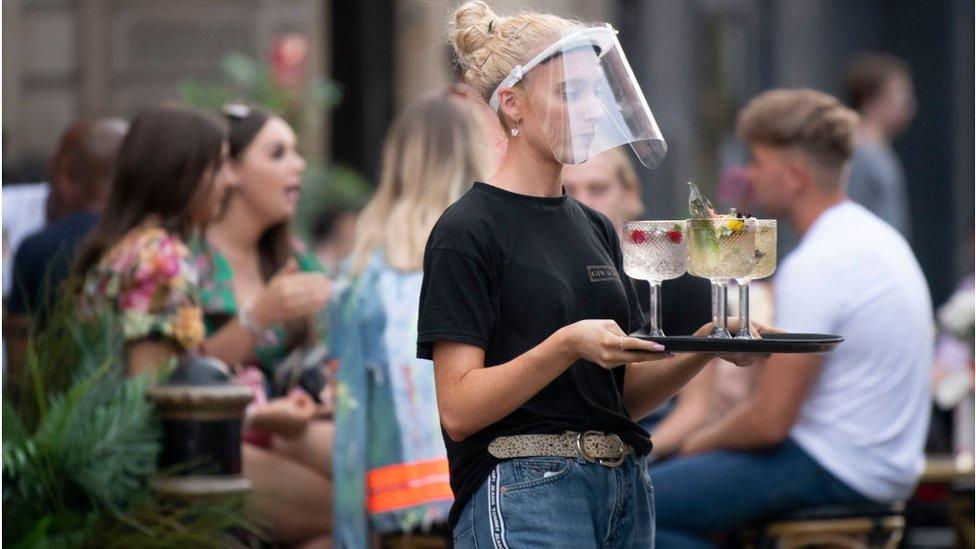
286 416
602 342
291 295
743 360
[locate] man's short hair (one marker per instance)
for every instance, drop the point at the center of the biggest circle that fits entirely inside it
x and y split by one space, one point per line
87 151
811 121
867 74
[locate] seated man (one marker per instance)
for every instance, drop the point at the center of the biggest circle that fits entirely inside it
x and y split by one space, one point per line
81 174
843 427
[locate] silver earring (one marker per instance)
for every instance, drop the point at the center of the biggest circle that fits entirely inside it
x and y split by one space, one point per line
515 132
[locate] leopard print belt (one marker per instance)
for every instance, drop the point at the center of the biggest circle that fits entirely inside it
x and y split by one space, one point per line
592 446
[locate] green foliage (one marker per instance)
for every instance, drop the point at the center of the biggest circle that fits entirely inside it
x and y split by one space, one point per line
80 445
246 79
328 186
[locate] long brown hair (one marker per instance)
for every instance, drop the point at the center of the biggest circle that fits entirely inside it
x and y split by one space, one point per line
433 153
159 173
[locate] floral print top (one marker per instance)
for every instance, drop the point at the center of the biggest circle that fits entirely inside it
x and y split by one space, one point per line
149 279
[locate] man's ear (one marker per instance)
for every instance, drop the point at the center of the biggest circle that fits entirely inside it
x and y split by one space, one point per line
800 174
510 105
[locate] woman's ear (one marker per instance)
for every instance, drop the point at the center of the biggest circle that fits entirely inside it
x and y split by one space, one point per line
231 173
510 105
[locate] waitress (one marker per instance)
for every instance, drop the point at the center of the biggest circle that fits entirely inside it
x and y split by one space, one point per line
523 307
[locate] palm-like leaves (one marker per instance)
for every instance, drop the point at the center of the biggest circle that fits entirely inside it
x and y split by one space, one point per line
80 444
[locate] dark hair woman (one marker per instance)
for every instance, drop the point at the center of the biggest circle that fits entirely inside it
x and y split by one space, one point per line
260 293
168 182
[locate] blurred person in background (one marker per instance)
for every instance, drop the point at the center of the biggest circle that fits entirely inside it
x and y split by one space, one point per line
170 175
23 215
879 88
953 375
333 235
27 208
261 292
387 430
608 184
845 427
82 169
85 174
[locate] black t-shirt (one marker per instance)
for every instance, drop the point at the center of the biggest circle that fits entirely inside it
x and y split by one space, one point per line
43 261
504 271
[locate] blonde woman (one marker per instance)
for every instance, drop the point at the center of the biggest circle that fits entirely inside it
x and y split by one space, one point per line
390 463
523 308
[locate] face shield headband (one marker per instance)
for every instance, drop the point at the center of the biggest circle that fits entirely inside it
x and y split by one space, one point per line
588 98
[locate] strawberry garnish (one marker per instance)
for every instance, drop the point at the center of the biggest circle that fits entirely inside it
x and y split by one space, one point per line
675 236
638 236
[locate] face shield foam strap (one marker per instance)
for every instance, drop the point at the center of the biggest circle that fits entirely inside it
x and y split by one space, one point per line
600 37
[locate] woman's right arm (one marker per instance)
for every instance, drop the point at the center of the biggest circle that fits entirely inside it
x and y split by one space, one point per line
471 397
148 355
289 295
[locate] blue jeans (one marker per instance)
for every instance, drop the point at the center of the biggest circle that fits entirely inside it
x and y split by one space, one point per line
705 494
560 502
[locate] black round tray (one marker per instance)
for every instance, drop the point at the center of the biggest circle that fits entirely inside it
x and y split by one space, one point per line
770 343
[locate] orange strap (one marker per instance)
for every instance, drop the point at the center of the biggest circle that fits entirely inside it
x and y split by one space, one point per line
407 484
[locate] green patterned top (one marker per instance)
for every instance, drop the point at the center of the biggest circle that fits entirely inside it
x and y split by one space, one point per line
220 304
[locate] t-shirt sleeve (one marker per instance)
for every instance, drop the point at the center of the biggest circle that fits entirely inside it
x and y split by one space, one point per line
455 301
158 296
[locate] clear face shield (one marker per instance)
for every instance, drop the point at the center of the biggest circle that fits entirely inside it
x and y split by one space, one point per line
587 98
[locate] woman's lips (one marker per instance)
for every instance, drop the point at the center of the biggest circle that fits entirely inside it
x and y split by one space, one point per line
293 193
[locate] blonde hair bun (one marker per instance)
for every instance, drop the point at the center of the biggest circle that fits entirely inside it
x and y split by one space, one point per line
489 46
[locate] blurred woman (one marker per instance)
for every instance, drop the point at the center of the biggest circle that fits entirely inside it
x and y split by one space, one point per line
260 294
169 178
389 454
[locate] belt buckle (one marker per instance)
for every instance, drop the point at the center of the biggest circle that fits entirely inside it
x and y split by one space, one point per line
606 462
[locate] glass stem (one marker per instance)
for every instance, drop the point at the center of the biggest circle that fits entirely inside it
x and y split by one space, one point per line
655 312
720 290
744 332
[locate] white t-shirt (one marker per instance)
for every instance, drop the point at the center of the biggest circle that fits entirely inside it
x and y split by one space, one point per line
23 214
866 416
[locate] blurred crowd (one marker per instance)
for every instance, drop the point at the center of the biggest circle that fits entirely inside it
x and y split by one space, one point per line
180 221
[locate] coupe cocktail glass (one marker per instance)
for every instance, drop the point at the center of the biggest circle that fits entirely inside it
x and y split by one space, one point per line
721 248
654 251
765 261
